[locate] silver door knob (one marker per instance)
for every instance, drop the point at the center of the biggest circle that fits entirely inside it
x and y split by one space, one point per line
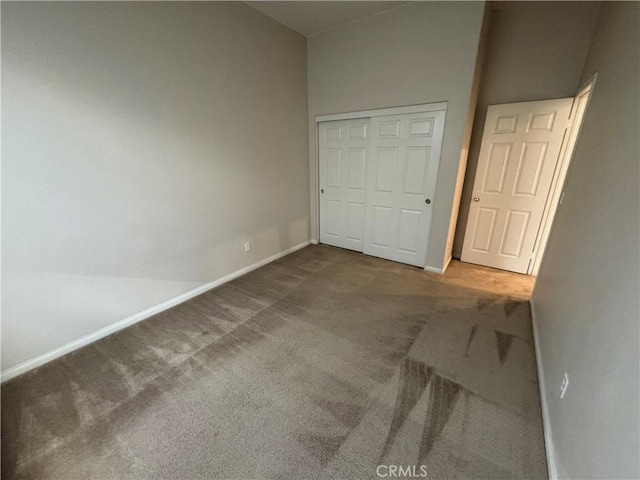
476 199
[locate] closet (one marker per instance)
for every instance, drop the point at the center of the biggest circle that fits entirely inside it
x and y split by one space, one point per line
377 183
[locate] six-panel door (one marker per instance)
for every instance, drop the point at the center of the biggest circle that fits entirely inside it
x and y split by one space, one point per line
343 147
401 185
519 152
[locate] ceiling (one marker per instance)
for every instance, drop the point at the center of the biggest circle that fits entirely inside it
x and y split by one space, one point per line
312 17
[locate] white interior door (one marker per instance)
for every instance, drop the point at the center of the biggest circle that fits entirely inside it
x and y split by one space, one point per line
518 156
401 183
343 149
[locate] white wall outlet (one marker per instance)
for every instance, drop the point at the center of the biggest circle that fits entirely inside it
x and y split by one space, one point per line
247 246
564 385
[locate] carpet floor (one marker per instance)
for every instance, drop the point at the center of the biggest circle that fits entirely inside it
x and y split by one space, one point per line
323 364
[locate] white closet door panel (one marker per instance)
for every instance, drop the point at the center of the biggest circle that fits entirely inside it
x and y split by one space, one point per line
402 175
343 149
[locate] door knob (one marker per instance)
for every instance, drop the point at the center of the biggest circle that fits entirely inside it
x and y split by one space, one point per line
427 201
476 199
322 190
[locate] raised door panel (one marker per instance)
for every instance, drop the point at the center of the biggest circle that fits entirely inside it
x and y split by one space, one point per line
416 170
530 167
408 234
495 172
333 218
332 133
355 221
421 127
333 168
482 230
357 131
381 226
355 168
388 129
505 124
514 233
385 166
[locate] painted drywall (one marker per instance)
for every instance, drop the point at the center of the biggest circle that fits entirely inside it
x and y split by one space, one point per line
535 51
418 53
143 144
586 297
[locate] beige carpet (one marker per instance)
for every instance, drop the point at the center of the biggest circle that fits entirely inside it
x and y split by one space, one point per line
324 364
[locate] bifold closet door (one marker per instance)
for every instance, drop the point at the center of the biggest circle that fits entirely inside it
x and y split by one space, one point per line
402 171
343 147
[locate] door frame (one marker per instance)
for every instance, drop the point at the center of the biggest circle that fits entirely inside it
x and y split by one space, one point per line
565 158
379 112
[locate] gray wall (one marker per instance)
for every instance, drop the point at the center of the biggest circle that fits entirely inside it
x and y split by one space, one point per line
143 144
535 51
586 297
419 53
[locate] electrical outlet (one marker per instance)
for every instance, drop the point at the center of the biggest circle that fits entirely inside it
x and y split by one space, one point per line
564 385
247 246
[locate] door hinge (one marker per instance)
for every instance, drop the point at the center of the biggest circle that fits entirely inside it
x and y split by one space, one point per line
533 255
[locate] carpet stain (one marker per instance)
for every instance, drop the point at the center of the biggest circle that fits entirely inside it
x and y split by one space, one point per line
442 400
504 342
322 447
414 377
472 334
347 413
511 307
484 303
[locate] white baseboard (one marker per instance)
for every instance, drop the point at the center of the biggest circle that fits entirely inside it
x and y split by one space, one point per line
314 242
433 270
548 441
439 271
103 332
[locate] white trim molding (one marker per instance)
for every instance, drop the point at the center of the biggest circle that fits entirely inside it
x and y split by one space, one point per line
149 312
548 440
424 107
429 269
